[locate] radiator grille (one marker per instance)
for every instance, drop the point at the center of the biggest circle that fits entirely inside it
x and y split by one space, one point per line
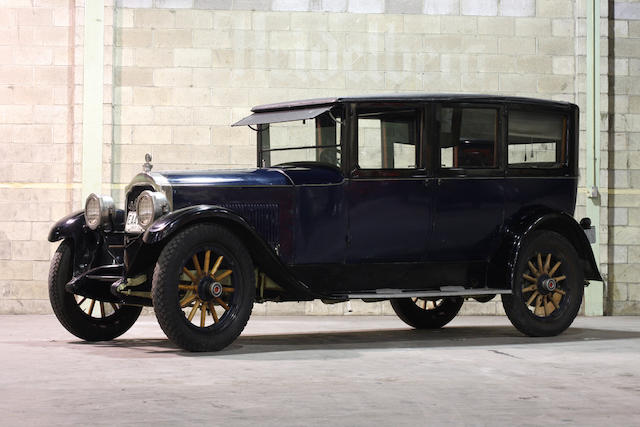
263 217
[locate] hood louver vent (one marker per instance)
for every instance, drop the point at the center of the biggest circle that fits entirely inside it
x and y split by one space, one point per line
263 217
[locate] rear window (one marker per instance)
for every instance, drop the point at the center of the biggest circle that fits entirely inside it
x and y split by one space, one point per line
537 139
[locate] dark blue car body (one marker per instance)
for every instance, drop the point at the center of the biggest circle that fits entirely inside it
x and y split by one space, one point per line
339 232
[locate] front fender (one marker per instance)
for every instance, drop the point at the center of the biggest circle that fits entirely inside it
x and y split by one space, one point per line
169 224
68 227
265 257
523 225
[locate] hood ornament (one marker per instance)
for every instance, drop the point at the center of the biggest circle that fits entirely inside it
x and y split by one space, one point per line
147 166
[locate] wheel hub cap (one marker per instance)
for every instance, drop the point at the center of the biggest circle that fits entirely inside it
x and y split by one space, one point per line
209 289
549 284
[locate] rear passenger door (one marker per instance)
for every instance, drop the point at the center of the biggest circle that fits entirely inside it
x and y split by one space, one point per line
468 186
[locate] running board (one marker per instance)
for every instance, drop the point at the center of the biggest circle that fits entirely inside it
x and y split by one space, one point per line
445 291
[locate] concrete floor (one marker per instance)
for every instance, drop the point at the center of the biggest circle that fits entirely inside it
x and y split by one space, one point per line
307 371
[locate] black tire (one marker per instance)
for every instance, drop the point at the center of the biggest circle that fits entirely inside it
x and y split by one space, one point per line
417 313
534 309
114 320
169 299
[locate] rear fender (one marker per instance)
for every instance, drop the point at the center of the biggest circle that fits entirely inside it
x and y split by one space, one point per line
516 231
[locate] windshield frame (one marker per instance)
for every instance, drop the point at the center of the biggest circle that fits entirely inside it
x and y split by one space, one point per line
336 113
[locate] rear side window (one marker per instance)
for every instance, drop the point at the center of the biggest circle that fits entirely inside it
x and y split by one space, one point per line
468 137
387 141
537 139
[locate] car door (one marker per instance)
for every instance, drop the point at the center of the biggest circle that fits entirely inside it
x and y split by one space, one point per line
468 189
389 205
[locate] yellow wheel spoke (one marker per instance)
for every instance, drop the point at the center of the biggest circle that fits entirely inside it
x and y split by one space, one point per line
544 305
530 288
228 290
196 263
207 257
539 262
187 300
216 266
561 292
212 309
115 307
188 287
533 268
82 300
223 275
555 299
547 263
222 303
93 303
188 273
193 310
101 309
532 297
539 310
559 278
203 314
555 267
529 278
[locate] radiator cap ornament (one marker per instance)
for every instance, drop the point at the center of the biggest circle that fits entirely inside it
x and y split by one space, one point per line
147 166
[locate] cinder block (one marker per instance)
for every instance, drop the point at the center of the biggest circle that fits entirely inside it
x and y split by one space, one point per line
345 22
151 95
136 4
517 7
436 81
496 25
422 24
533 27
134 76
268 21
16 270
480 44
564 65
402 81
554 8
174 4
562 27
442 7
290 5
458 63
403 42
212 116
35 17
172 38
251 4
405 6
288 40
368 42
458 24
633 254
192 57
153 57
211 77
555 46
213 4
33 55
193 19
517 83
133 115
480 82
496 64
479 7
154 18
192 135
212 38
366 6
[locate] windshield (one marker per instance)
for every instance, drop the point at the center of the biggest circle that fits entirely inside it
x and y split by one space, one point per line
312 140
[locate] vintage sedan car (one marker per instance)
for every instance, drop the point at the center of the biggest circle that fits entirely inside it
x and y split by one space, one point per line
423 200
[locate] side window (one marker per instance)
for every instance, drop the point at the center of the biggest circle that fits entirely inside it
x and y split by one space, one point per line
387 141
468 137
537 139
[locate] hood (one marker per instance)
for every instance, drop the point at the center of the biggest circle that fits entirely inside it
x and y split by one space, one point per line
292 174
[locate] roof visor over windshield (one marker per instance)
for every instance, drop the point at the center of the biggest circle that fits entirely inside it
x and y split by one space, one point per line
282 116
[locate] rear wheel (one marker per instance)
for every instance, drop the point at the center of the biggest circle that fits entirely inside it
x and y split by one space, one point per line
548 286
203 288
86 318
427 313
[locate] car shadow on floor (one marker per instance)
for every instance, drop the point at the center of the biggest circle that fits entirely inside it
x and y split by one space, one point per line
467 336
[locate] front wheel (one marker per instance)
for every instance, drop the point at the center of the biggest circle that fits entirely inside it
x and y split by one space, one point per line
548 286
203 288
427 313
85 318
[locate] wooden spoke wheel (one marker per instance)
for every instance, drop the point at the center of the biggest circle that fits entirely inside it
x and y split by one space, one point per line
86 318
427 313
203 288
548 286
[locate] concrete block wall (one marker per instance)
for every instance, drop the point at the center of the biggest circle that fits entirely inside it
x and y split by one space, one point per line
40 102
178 72
624 160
